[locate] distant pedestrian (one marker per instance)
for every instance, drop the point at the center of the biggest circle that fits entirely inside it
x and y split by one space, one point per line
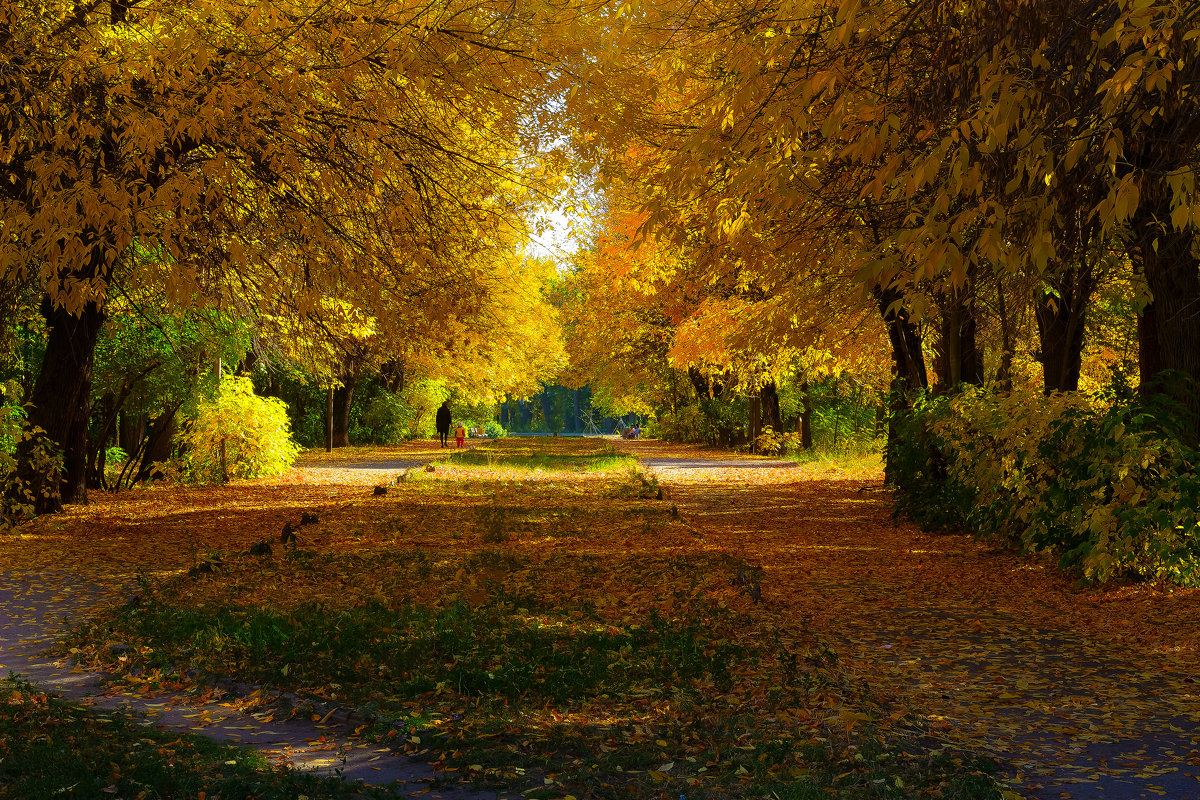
443 422
460 435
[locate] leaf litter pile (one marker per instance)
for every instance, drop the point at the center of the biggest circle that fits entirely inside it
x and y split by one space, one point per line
532 617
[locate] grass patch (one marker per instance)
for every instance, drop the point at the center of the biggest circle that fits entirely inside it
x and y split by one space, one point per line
552 635
550 455
497 651
50 748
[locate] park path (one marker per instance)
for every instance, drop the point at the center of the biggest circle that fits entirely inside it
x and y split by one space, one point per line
39 606
1077 692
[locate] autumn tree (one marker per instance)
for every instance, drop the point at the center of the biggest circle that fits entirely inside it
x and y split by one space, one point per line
277 151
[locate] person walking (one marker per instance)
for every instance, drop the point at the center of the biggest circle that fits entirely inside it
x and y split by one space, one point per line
460 435
443 422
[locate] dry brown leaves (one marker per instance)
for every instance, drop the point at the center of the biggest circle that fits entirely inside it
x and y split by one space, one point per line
996 652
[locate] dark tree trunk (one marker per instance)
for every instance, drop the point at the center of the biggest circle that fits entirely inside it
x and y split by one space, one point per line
755 406
908 361
1169 329
131 432
1060 322
1149 353
908 365
547 408
769 402
392 373
504 415
959 359
343 397
60 400
1008 342
329 406
249 361
699 383
77 451
804 421
576 423
158 444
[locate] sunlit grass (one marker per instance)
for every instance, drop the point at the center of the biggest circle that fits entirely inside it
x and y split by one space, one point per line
548 454
853 457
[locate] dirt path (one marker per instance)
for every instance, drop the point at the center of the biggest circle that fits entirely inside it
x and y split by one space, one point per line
38 607
1078 692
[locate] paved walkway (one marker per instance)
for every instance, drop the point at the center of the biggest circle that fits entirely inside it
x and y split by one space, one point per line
1000 654
37 609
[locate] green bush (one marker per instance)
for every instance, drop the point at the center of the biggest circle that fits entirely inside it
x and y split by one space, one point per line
1100 481
685 424
20 495
494 429
236 434
385 420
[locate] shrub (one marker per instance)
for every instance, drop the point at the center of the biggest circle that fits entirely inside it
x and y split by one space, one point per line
236 434
494 429
1100 481
19 495
770 443
385 420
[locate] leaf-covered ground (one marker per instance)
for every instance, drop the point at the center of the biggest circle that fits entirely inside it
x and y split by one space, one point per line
1083 692
548 626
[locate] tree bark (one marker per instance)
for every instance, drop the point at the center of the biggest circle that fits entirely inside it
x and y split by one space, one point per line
699 383
1060 322
393 376
1008 343
61 396
343 398
908 361
908 365
329 420
959 359
1169 329
804 421
755 420
158 444
77 451
1149 351
547 408
769 402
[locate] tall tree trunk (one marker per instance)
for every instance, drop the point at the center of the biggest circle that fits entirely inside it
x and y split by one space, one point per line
343 398
1060 322
908 365
547 408
159 442
908 361
576 427
769 402
755 420
699 383
329 404
60 399
1149 352
1169 329
959 359
393 375
804 421
77 451
1008 342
